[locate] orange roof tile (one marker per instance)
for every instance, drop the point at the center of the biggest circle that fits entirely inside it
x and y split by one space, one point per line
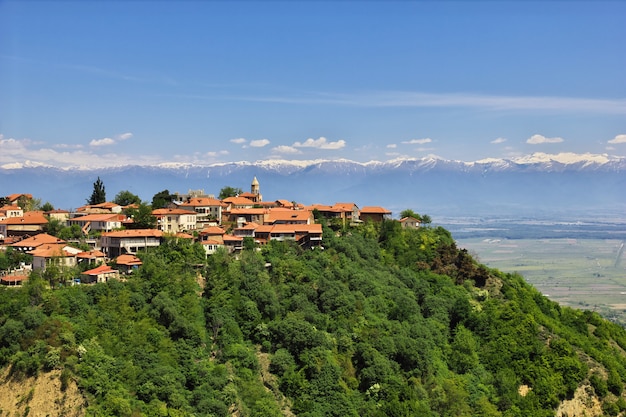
202 202
30 217
128 260
37 240
92 254
51 251
172 211
104 217
374 210
134 233
239 201
102 269
212 230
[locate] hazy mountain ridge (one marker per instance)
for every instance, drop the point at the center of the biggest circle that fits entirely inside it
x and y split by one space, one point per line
539 182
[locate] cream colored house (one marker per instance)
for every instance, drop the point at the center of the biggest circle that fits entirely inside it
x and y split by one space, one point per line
172 220
121 242
58 254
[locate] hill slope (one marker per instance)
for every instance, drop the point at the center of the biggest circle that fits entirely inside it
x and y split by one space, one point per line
382 322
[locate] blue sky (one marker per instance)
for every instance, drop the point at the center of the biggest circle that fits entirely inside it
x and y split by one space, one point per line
101 83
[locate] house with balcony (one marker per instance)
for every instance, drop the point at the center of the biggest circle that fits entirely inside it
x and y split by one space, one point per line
208 210
104 222
122 242
174 220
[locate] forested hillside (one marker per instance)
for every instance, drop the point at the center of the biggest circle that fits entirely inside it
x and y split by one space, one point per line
381 322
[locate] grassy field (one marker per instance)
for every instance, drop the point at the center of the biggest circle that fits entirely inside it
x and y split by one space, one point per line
581 273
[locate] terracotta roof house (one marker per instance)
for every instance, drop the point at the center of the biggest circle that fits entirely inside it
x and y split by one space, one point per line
32 222
34 242
238 203
233 243
305 235
374 213
101 208
58 214
59 254
13 198
246 230
102 222
91 257
210 245
10 210
247 215
213 233
120 242
208 210
101 273
410 222
173 220
127 263
288 216
13 280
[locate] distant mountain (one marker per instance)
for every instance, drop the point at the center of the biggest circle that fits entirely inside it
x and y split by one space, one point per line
534 184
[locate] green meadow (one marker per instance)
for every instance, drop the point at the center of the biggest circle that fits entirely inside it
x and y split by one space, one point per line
581 273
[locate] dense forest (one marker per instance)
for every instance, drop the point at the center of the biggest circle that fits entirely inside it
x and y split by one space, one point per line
382 321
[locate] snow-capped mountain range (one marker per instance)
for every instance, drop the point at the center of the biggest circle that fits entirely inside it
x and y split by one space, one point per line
535 183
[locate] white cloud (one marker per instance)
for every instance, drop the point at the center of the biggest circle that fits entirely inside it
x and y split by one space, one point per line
463 100
320 143
102 142
67 146
498 140
417 141
618 139
111 141
392 146
259 143
539 139
239 141
286 149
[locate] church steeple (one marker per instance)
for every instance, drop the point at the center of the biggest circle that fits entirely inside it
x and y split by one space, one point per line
256 190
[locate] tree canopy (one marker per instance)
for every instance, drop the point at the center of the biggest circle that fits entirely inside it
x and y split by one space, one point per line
384 321
162 199
98 195
228 191
126 198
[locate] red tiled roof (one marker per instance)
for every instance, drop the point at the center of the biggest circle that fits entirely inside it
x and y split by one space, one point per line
172 211
51 251
30 217
128 260
134 233
104 217
212 230
13 278
37 240
202 202
239 201
102 269
256 211
13 197
92 254
212 242
374 210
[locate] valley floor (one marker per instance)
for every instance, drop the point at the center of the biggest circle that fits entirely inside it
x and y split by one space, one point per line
581 273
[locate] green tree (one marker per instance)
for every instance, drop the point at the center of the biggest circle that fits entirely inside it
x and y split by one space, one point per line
98 194
229 192
47 206
29 203
126 198
410 213
162 199
142 217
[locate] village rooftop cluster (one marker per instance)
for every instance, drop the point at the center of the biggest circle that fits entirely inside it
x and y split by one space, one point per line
214 223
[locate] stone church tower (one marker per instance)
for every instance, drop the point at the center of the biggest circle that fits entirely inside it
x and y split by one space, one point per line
256 190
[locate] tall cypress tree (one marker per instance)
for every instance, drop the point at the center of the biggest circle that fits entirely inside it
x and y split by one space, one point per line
98 195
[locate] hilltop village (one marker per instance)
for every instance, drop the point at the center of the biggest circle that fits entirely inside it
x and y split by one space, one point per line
104 238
